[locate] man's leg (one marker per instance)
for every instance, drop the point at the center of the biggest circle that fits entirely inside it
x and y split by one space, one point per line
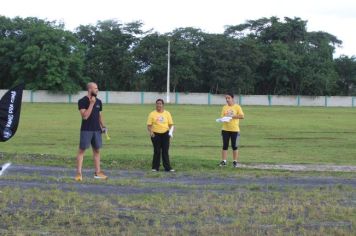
98 173
80 157
156 142
96 156
97 144
165 152
84 143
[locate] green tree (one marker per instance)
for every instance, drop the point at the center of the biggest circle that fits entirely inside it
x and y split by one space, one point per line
42 54
8 41
218 55
263 56
184 59
109 58
151 58
346 69
295 61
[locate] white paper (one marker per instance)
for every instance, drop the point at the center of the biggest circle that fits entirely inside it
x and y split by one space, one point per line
224 119
171 131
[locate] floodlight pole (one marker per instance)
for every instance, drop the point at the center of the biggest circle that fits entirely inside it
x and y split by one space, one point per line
168 69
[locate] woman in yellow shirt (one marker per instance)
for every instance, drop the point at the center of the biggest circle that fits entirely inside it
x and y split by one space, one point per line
231 129
159 124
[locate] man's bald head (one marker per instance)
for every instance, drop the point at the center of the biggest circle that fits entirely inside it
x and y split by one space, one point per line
92 89
91 85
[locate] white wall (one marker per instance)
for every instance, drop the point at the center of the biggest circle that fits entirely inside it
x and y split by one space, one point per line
193 98
284 100
190 98
218 99
340 101
254 100
312 101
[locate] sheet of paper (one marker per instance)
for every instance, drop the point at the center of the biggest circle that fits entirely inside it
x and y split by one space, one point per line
171 131
224 119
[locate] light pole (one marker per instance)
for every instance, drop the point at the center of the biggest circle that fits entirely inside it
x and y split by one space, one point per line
168 70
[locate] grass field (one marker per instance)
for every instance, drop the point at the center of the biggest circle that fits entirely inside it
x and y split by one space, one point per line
248 211
269 135
201 198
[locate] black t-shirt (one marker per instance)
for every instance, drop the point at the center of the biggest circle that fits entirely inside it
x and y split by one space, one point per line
92 123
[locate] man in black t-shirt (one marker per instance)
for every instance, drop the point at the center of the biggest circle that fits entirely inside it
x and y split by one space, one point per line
90 108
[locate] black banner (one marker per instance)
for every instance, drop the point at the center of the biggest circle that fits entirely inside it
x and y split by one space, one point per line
10 108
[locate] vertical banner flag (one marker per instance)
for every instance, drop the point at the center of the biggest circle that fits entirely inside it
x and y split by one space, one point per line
10 108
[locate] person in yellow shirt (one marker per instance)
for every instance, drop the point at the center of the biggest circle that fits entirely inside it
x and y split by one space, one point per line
231 129
160 128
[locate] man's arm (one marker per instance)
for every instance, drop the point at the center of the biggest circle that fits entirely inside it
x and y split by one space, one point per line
101 120
85 113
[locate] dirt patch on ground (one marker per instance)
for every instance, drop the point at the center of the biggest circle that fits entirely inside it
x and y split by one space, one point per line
302 138
301 167
145 183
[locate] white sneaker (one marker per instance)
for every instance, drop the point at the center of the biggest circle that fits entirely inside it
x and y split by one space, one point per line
222 163
154 170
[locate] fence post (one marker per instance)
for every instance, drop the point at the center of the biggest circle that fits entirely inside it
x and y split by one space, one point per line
209 98
142 97
177 97
106 97
240 99
326 101
31 96
269 100
69 98
298 100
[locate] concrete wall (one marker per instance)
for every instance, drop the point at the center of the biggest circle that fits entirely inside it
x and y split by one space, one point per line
284 100
314 101
191 98
254 100
340 101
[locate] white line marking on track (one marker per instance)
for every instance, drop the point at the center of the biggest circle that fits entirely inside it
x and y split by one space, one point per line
4 167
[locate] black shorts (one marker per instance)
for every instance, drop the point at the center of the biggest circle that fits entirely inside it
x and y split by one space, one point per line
230 135
92 138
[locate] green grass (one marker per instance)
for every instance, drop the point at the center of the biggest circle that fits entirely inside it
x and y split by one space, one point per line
269 135
325 211
49 135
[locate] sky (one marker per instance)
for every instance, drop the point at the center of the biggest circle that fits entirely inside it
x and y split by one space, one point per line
337 17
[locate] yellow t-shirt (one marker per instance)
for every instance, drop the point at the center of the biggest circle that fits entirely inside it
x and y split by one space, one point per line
160 121
233 110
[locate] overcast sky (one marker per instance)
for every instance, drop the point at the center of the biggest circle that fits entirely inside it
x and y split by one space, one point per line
337 17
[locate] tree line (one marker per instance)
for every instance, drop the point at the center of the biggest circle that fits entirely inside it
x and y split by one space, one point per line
263 56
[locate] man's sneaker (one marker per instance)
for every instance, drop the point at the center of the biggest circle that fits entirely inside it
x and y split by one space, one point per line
154 170
171 170
222 163
100 175
78 177
235 164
